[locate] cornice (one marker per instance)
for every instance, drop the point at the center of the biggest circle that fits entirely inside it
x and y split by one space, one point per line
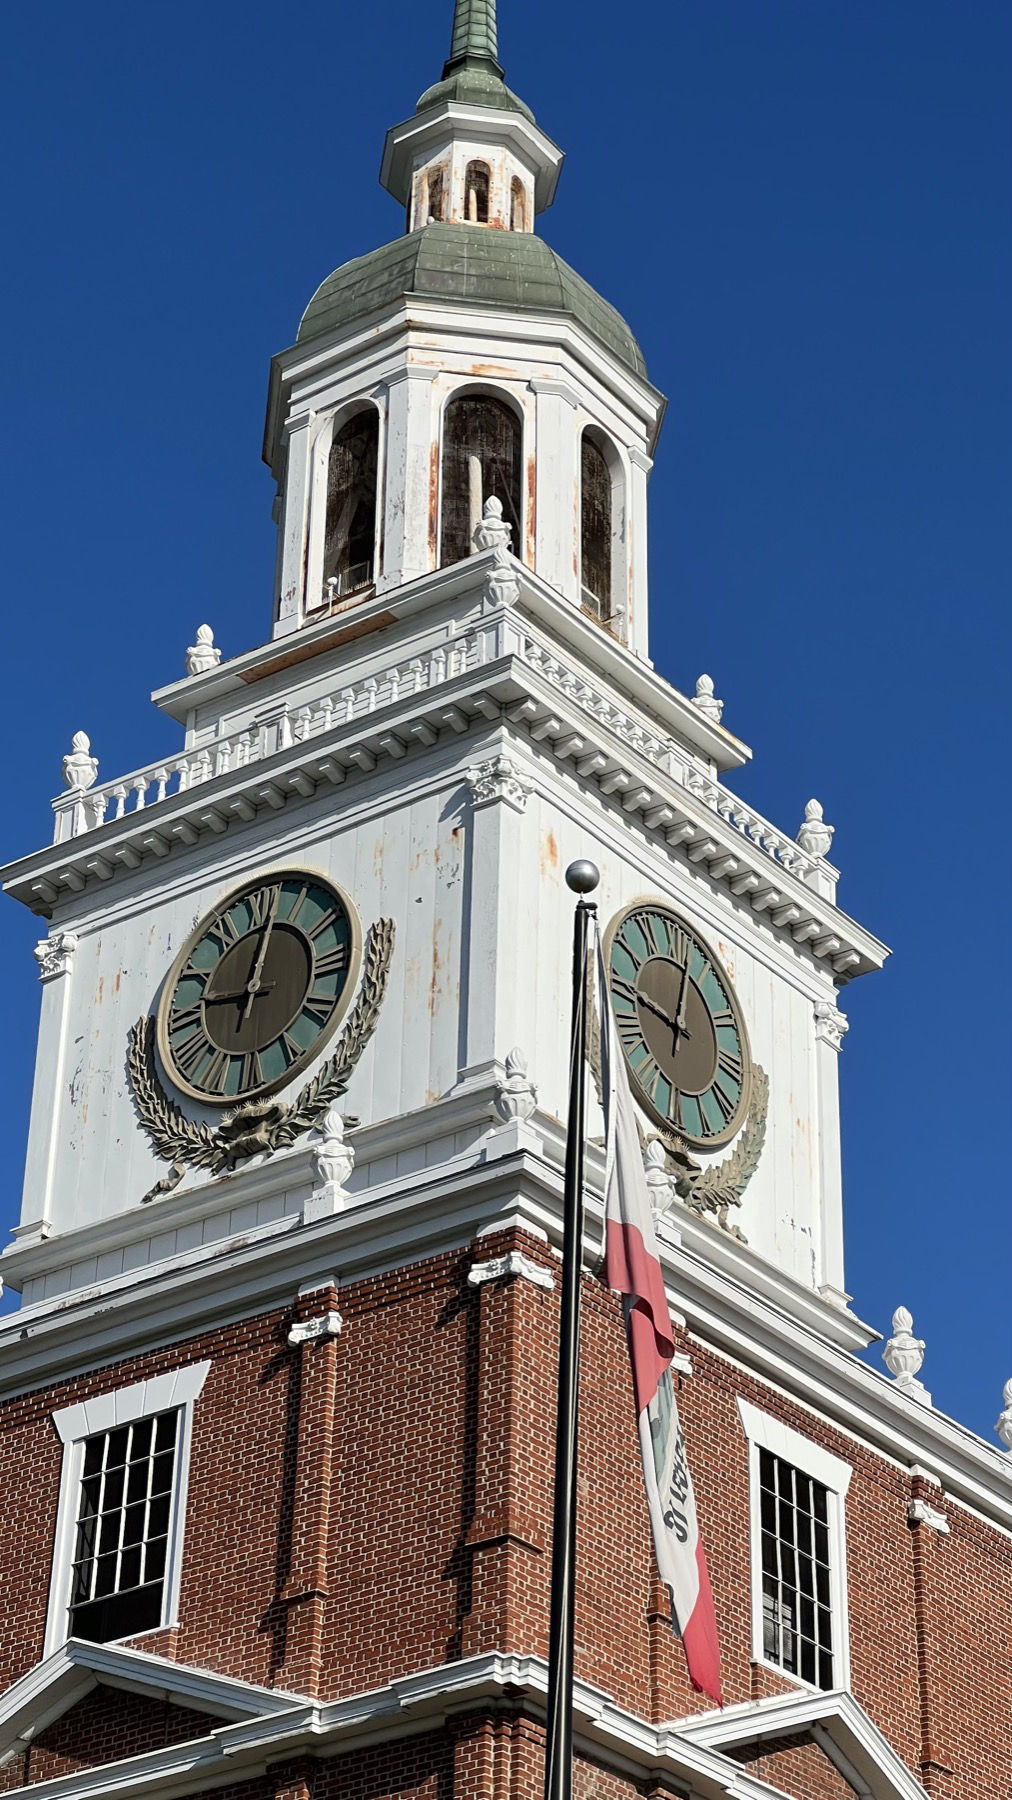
404 1707
731 1299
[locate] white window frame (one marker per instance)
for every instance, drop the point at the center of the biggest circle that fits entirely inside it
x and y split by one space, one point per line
74 1424
766 1433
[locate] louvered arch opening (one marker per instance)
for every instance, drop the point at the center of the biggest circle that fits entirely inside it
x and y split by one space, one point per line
482 453
596 528
349 555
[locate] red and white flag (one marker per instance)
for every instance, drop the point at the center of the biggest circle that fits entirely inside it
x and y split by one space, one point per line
632 1267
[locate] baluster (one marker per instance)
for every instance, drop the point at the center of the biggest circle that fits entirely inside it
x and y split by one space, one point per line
370 687
119 794
285 730
98 802
223 757
415 670
326 713
141 785
437 667
161 780
302 721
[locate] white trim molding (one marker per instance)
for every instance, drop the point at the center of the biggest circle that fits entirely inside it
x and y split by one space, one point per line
834 1720
767 1433
513 1263
306 1331
103 1412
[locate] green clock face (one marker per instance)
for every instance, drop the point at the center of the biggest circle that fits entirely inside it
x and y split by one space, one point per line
258 988
679 1026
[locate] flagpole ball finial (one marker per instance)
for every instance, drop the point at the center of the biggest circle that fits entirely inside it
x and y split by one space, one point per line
582 876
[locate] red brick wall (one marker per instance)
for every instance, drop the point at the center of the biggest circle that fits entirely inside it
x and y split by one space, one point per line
106 1725
799 1769
440 1516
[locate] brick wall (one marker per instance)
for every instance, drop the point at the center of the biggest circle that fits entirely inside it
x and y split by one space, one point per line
439 1522
106 1725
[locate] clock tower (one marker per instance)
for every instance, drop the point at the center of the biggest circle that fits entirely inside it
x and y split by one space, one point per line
278 1400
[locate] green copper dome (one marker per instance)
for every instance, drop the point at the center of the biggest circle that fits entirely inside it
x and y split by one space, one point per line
509 269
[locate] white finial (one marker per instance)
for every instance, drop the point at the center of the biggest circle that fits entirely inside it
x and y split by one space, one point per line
80 768
333 1160
1003 1425
492 531
705 699
815 835
516 1096
904 1354
202 655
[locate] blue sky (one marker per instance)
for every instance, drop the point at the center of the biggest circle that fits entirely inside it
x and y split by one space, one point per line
803 208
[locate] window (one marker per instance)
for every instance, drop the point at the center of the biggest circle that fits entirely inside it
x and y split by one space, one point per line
797 1613
122 1506
122 1536
476 191
350 534
481 457
518 205
798 1552
595 529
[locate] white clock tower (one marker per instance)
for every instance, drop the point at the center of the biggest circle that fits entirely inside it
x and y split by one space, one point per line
304 1032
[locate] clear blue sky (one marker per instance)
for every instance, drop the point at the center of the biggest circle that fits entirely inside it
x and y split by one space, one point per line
802 206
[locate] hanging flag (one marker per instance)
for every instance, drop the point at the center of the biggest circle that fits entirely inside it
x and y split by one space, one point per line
632 1267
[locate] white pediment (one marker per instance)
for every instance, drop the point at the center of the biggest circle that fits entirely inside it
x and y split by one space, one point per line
835 1721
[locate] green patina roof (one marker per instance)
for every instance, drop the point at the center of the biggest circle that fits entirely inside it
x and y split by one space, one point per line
510 269
472 73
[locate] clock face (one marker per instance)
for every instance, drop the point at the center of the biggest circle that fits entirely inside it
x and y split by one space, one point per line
258 988
679 1026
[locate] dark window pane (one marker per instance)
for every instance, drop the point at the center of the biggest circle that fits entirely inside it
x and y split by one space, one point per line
350 535
768 1512
133 1523
825 1669
105 1574
165 1430
161 1472
81 1586
118 1616
807 1664
130 1567
117 1451
821 1503
137 1481
140 1442
481 459
112 1493
110 1527
154 1562
158 1516
93 1454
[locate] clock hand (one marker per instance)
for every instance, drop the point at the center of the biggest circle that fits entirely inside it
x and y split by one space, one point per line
679 1030
263 987
253 984
656 1010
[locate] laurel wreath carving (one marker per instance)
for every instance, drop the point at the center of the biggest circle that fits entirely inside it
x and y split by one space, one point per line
259 1125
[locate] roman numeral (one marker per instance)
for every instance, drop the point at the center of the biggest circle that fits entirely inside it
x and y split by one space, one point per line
224 932
730 1064
293 911
251 1074
291 1048
262 904
629 1033
649 1074
724 1017
630 952
623 989
190 1054
319 1007
215 1075
189 1019
723 1100
322 922
704 971
648 925
331 962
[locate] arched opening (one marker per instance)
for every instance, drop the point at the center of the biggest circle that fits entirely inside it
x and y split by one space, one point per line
349 550
518 205
477 180
595 529
435 195
481 457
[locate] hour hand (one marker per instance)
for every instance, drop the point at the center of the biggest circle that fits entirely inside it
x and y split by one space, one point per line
658 1011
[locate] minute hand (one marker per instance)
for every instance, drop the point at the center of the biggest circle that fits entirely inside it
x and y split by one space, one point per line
683 994
253 984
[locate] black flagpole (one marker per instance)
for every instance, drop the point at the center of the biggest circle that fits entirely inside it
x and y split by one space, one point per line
582 877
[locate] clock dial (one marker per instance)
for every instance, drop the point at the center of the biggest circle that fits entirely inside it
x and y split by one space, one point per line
679 1025
258 988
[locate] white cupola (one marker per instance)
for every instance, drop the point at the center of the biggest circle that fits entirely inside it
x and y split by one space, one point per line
462 362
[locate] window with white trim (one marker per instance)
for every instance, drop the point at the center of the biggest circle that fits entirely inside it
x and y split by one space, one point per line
122 1508
799 1589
